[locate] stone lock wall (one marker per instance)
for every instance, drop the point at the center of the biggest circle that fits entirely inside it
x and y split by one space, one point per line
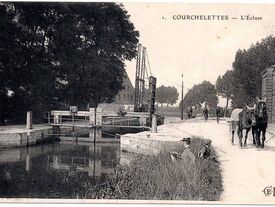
268 91
19 138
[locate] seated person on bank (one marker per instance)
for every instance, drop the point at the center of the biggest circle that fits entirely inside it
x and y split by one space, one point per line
205 152
187 154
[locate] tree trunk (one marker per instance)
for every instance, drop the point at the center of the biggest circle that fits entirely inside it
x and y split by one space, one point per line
226 106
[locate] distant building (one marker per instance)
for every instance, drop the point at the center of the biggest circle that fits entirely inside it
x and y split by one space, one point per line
125 98
126 95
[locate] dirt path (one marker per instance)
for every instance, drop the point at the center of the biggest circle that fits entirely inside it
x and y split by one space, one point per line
246 172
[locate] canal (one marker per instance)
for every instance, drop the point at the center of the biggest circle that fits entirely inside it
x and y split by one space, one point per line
56 170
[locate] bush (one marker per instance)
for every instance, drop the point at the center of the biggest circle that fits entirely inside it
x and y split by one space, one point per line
156 177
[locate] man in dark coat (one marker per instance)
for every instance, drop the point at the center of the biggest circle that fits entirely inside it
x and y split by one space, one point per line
205 113
187 155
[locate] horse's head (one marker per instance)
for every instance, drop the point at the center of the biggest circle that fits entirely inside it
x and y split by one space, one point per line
261 107
249 114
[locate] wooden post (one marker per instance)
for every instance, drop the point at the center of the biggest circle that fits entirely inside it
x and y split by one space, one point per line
60 117
29 120
99 114
91 116
154 124
56 119
49 117
73 120
95 116
91 134
85 121
95 125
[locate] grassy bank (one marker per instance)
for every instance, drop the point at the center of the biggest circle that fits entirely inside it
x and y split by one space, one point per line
156 177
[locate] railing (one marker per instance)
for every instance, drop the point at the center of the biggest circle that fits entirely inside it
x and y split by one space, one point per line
66 118
121 120
106 118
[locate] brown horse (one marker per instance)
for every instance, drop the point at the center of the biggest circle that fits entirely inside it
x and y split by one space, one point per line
243 119
261 121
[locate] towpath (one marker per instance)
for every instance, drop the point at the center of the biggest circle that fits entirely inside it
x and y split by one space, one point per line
246 172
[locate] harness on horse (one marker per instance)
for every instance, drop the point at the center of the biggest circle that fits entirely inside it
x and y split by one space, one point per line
245 122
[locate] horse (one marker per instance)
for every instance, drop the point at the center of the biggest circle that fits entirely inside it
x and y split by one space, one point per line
261 121
243 119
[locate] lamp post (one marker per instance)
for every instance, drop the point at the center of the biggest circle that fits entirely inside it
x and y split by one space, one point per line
181 114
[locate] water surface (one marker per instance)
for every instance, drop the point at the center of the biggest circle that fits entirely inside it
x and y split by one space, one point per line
56 170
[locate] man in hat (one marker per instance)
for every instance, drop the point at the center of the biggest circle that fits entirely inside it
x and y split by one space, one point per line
205 113
186 155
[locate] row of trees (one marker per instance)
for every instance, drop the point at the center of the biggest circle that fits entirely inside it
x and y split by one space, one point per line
56 54
244 82
204 92
241 84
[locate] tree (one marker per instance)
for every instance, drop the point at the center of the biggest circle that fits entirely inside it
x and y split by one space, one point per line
106 38
166 94
247 70
225 87
72 53
203 92
161 95
173 95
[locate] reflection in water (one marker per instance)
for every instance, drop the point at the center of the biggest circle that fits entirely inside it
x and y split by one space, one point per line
28 162
54 170
94 163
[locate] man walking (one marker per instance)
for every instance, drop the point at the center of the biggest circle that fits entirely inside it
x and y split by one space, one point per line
205 113
234 122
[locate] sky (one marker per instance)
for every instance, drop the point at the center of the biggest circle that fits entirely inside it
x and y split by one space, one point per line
198 49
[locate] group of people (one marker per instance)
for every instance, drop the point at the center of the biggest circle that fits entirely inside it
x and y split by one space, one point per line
190 113
206 113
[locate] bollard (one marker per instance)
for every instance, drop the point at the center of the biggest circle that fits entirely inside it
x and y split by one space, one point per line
29 120
56 119
91 115
154 124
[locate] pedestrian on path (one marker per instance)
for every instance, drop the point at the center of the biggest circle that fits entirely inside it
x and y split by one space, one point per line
190 112
205 113
234 119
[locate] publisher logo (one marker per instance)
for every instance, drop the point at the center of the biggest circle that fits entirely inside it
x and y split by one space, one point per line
269 191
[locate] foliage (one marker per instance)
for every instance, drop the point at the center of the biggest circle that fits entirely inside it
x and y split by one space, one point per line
57 54
203 92
166 94
247 70
156 177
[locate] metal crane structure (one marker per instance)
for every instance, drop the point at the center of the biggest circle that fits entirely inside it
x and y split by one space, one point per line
142 101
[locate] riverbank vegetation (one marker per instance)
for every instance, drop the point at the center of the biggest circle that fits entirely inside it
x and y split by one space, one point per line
156 177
